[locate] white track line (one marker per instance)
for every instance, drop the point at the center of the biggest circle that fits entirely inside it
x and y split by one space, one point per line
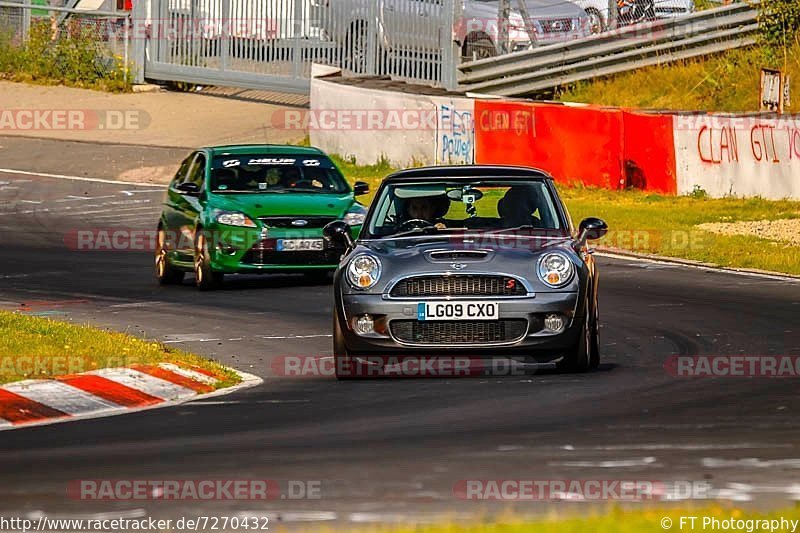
75 178
61 396
146 383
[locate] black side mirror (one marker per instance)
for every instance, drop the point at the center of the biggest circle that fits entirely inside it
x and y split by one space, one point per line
338 231
360 188
189 188
590 229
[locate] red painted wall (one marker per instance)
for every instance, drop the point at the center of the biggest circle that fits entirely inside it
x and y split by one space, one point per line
595 146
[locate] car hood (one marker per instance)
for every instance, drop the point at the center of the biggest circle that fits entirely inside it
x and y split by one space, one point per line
290 203
463 254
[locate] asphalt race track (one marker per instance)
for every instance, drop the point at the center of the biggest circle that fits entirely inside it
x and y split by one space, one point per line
391 450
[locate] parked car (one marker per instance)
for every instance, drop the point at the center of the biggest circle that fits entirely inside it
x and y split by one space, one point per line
408 27
466 260
597 11
253 209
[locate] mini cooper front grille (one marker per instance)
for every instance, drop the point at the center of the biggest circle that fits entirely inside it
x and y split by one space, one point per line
459 285
297 222
458 332
457 255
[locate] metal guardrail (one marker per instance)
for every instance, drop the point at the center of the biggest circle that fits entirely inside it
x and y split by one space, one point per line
629 48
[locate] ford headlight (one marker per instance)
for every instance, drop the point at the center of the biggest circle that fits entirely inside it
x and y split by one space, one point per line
233 218
356 216
555 269
363 271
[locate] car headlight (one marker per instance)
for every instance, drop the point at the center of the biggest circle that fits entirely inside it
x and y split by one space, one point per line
555 269
356 216
233 218
363 271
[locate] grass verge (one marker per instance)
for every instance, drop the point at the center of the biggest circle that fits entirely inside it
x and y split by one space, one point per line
621 521
664 225
38 348
726 82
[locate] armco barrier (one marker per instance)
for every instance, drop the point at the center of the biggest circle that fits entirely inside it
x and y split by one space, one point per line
445 134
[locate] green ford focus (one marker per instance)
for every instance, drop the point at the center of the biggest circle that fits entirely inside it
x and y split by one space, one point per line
253 209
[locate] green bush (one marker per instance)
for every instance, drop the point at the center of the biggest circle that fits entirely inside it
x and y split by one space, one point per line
74 54
780 22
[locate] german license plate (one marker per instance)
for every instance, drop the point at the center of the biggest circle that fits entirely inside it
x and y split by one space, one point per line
463 310
301 245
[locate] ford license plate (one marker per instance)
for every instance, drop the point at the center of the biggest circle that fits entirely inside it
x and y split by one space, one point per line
463 310
301 245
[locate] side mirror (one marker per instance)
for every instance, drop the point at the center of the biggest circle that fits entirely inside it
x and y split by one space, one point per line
361 188
189 188
590 229
338 231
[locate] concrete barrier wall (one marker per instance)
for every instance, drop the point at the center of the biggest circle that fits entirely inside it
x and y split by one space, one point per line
406 129
728 155
595 146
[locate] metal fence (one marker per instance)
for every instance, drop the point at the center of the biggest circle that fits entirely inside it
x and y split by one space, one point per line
273 43
105 34
456 44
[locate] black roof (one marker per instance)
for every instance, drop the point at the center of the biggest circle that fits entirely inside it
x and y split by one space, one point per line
469 172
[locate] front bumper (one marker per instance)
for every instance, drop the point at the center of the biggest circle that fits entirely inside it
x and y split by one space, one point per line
251 250
533 339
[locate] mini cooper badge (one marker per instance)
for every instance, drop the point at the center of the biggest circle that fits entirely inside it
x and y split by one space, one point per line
458 266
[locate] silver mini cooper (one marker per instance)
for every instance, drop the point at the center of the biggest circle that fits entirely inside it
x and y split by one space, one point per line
480 261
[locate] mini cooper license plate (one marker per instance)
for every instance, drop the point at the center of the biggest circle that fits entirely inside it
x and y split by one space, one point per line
464 310
301 245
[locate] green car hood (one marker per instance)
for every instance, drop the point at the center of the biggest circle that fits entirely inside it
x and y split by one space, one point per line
257 205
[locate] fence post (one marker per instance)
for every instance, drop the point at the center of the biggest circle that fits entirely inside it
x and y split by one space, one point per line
138 36
450 51
503 16
26 19
225 36
612 20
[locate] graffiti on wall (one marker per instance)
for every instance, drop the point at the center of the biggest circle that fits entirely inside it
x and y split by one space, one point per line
455 135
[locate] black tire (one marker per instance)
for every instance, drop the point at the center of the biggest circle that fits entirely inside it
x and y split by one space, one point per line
166 274
480 48
577 359
205 278
594 353
343 363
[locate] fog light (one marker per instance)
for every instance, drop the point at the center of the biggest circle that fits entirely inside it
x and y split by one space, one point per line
364 325
227 249
554 322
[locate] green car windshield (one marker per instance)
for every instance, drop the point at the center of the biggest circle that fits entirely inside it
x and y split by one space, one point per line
276 174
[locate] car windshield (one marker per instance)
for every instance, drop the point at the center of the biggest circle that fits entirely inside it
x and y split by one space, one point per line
477 206
276 174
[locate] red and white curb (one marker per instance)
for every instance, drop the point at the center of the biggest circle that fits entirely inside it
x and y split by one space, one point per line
107 392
